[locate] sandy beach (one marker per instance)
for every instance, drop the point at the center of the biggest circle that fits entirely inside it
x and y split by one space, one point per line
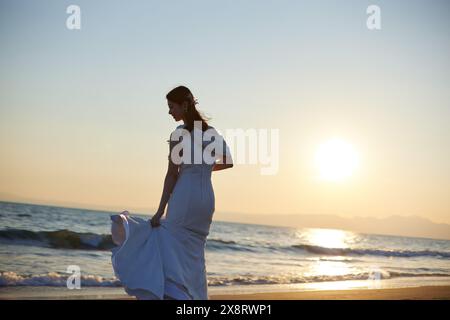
412 293
419 293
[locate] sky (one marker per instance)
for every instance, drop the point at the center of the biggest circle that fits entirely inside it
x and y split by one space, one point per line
84 119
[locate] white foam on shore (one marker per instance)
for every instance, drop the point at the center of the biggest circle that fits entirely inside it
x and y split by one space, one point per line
54 279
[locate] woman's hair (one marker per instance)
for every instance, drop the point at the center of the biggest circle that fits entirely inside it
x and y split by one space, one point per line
181 94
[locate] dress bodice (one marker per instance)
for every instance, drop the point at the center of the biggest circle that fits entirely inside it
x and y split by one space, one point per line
198 163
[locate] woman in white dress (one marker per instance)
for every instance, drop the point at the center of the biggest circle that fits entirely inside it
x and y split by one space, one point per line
164 258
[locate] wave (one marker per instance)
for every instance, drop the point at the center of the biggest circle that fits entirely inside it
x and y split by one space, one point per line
254 280
61 239
55 279
220 244
371 252
222 241
67 239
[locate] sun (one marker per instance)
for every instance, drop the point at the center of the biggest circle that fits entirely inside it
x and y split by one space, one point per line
336 160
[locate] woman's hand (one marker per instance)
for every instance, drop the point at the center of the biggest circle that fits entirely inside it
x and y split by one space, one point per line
154 221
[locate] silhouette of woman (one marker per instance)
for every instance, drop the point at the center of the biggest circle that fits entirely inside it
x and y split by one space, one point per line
165 259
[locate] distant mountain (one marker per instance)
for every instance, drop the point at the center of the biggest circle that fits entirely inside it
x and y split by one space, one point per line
409 226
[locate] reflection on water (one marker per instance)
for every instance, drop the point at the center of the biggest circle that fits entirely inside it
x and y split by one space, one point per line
328 268
329 238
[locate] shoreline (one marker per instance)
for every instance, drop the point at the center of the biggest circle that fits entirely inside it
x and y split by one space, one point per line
433 292
412 293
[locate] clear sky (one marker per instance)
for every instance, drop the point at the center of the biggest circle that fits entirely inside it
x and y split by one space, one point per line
83 115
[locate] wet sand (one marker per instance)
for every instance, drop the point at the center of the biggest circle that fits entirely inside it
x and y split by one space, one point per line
412 293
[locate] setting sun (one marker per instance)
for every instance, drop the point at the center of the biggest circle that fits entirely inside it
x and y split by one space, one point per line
336 160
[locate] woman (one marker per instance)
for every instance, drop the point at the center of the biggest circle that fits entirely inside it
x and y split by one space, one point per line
165 259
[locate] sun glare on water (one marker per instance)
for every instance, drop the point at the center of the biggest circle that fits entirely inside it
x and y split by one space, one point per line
328 238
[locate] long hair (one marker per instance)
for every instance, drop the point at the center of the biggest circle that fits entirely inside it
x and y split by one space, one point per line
182 94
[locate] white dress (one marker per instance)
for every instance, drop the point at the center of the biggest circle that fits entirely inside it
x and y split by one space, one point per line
168 261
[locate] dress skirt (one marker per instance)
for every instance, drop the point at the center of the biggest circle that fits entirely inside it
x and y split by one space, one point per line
168 261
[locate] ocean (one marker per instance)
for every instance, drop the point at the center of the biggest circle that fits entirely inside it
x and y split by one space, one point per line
38 243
